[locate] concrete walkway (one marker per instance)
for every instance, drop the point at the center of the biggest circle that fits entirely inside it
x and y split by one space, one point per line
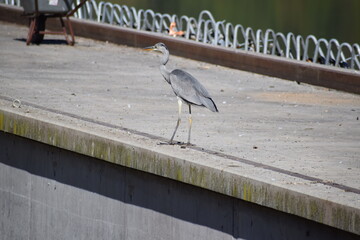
298 137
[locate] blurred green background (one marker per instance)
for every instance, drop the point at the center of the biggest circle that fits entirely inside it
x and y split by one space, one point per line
338 19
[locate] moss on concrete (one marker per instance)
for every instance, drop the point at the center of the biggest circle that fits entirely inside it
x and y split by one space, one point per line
247 190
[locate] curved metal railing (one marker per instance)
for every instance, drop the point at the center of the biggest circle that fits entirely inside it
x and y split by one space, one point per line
207 30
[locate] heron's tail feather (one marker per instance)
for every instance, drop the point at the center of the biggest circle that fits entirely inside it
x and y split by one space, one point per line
209 103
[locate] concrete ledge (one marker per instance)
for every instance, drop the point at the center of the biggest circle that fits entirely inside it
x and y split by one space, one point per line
201 170
106 201
336 78
12 14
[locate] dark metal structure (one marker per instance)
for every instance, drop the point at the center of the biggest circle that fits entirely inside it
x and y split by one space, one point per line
39 10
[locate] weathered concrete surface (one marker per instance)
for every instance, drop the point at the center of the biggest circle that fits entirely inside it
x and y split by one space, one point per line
291 128
315 74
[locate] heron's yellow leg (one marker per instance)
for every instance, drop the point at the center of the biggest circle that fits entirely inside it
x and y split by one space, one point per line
178 121
190 123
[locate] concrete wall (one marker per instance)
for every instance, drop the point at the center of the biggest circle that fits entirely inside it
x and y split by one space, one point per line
51 193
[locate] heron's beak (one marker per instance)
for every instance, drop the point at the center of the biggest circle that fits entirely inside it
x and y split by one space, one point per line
149 48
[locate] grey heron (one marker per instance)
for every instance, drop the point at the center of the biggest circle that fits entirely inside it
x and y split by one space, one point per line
187 88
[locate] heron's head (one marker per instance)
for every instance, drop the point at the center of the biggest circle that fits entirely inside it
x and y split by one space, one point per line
159 47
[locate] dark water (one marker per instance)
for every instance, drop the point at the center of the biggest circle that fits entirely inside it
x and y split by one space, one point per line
338 19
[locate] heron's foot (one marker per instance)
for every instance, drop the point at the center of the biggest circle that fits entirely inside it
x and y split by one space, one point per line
170 143
182 144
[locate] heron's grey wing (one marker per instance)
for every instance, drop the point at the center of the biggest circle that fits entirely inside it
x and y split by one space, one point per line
190 89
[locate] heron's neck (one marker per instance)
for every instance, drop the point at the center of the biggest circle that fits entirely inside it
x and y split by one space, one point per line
165 56
164 71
